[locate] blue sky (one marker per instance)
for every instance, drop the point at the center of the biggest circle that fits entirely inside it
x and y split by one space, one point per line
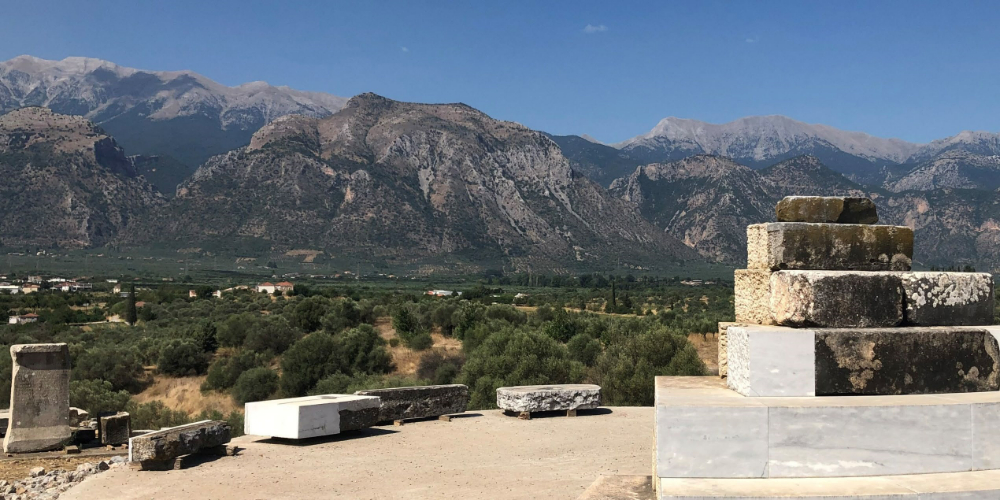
916 70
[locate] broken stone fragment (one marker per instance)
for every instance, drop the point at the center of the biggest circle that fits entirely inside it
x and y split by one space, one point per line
832 209
532 398
402 403
943 298
173 442
801 245
836 299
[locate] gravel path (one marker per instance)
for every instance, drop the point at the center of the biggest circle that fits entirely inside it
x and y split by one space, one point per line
480 455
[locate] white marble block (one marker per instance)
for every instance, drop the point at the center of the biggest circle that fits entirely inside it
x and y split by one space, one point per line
310 416
771 361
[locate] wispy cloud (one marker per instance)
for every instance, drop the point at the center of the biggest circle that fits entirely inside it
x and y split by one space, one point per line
753 40
404 49
590 29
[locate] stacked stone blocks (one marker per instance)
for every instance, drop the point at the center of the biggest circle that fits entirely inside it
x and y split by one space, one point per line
842 362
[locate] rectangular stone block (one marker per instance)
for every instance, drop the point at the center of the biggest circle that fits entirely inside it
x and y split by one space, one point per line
802 245
914 360
402 403
836 299
752 298
532 398
724 346
765 361
948 299
116 429
832 209
869 440
771 361
168 444
39 398
310 416
711 441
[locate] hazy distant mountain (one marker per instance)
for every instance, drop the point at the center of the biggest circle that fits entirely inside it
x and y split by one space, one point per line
66 183
408 183
707 202
758 141
178 114
600 162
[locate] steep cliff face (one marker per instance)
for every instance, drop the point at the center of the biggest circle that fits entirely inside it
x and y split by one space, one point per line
408 182
65 182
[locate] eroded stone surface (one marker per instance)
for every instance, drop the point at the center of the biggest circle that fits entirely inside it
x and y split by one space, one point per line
915 360
532 398
419 402
832 209
836 299
801 245
39 413
752 299
943 298
116 429
724 346
171 443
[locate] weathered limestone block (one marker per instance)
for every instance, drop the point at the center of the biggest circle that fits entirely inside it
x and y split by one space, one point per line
753 296
915 360
39 398
837 299
310 416
724 346
942 299
116 429
167 444
771 361
532 398
401 403
832 209
801 245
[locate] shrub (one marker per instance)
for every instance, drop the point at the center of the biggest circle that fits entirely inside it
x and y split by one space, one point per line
516 357
234 330
97 396
362 350
224 371
627 368
270 334
155 415
119 365
308 313
306 362
419 341
394 342
181 358
343 314
584 348
439 368
256 384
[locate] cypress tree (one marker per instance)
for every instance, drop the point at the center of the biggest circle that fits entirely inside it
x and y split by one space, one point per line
131 314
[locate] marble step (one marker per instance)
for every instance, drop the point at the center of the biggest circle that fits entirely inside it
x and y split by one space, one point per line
705 430
779 361
975 485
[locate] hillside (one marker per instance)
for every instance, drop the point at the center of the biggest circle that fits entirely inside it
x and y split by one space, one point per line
177 114
66 182
708 201
404 183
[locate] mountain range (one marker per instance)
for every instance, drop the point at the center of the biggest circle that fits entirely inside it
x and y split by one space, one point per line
179 116
256 168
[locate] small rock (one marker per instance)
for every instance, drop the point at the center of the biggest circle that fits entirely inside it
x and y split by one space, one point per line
118 459
103 466
37 471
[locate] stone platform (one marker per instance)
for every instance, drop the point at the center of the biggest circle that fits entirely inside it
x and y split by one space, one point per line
705 430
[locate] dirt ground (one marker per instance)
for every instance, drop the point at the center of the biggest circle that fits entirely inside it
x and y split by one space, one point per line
16 469
479 455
